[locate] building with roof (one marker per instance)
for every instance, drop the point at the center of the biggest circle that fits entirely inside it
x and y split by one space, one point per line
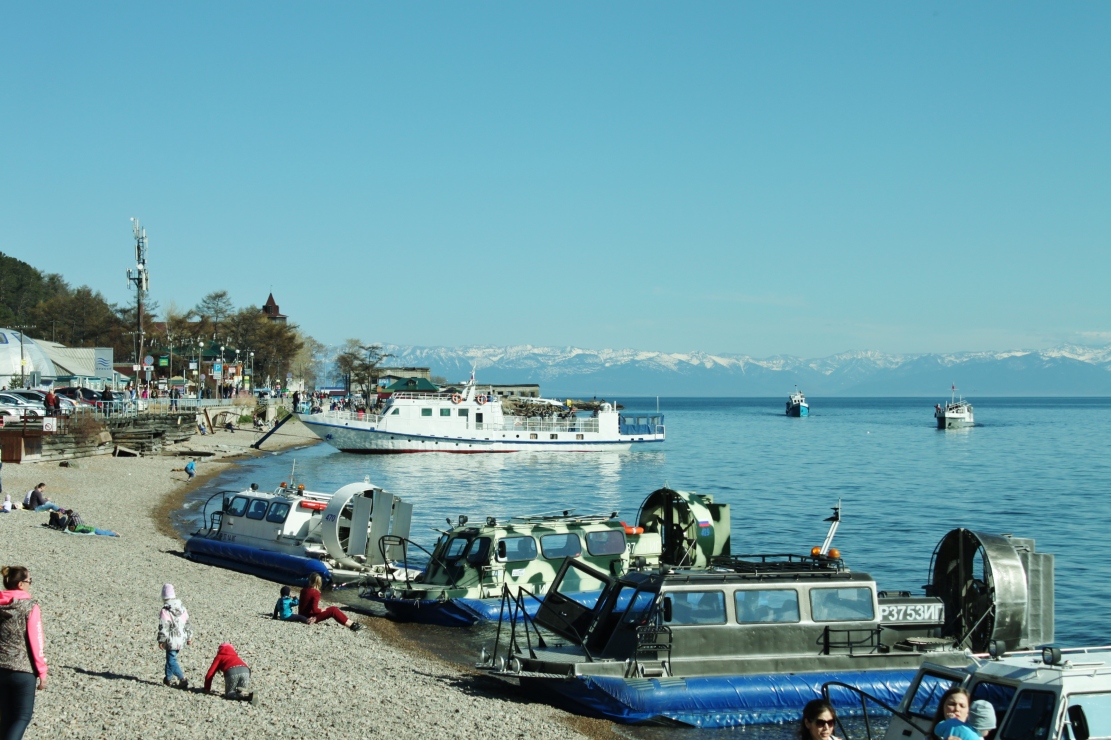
413 385
270 309
18 351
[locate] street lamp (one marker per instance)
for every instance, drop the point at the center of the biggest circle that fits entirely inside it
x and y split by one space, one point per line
252 386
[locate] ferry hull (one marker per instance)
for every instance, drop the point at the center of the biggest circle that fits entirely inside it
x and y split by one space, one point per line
715 701
361 437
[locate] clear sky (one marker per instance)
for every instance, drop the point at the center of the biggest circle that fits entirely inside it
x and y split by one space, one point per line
762 178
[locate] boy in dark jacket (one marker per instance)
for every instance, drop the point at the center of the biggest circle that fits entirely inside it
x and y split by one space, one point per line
237 676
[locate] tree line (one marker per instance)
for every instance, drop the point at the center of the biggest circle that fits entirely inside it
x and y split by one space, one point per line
82 317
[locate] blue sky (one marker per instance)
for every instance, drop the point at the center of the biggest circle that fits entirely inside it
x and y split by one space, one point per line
788 178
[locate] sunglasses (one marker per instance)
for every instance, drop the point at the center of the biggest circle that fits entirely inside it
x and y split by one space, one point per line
824 722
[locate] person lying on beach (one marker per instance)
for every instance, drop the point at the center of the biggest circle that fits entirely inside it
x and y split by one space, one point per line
283 608
309 606
69 520
237 676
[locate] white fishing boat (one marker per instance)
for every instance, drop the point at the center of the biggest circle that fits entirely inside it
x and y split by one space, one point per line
796 404
954 414
474 420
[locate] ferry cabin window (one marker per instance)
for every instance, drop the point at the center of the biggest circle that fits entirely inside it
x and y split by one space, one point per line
257 509
395 412
1031 716
516 549
928 695
479 551
755 607
455 548
426 412
464 412
611 542
560 546
1097 712
697 607
277 513
238 506
445 412
841 604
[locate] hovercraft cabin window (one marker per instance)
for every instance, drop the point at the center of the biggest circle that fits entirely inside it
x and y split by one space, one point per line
928 693
555 546
238 506
278 512
611 542
772 606
455 548
516 549
257 509
1032 715
479 551
697 607
841 604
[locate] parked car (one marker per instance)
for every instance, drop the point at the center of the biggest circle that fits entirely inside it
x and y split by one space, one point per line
66 406
88 395
23 406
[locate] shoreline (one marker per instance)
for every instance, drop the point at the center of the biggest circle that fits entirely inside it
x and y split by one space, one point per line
100 600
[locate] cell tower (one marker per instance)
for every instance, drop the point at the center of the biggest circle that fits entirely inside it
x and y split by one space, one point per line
140 280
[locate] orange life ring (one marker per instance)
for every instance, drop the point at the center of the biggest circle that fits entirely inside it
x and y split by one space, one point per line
481 400
456 398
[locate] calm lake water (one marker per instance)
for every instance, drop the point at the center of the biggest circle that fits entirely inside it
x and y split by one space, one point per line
1031 467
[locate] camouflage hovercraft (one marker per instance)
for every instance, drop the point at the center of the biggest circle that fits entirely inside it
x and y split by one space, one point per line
475 570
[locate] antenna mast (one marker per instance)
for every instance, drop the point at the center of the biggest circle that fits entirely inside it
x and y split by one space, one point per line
140 280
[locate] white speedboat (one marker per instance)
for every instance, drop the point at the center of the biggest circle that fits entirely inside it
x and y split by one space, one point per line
954 414
475 420
290 533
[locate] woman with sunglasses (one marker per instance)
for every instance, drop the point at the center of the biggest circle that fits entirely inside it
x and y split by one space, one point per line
818 720
21 653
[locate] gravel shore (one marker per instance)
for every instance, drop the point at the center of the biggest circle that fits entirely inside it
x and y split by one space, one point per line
100 602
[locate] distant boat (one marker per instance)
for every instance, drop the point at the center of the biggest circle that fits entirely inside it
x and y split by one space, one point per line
796 404
955 414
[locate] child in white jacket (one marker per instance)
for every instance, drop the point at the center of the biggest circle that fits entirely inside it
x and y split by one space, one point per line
174 633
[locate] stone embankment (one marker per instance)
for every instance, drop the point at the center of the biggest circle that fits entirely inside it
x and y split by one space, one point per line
100 603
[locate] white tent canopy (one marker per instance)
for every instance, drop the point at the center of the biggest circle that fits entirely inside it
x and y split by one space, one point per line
36 359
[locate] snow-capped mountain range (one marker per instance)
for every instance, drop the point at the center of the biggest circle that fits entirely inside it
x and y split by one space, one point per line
1067 370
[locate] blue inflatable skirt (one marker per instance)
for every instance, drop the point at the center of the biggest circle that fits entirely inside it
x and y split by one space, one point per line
273 566
718 701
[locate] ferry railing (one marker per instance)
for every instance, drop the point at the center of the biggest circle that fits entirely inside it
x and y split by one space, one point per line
865 697
351 416
540 425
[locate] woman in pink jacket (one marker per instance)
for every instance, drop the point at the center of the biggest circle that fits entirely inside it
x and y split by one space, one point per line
21 653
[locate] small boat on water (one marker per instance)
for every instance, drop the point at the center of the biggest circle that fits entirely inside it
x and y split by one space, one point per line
796 404
473 566
290 533
752 638
955 414
1049 693
476 420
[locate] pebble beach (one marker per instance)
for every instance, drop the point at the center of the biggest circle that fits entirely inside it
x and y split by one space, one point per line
100 599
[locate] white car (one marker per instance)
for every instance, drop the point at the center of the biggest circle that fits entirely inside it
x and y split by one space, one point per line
23 406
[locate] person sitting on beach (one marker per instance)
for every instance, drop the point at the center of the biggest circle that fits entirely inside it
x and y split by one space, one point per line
191 469
174 633
237 676
283 608
309 606
36 500
6 507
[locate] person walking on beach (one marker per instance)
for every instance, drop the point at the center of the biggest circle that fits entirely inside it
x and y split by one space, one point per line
309 606
22 664
237 676
174 633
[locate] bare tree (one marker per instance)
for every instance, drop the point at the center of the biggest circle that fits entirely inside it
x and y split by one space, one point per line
358 364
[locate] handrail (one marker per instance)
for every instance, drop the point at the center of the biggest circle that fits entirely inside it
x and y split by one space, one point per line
864 707
396 541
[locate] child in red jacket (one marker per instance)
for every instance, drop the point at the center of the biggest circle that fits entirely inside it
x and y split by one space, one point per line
237 676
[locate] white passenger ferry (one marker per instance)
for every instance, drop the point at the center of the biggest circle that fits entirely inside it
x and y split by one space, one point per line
474 420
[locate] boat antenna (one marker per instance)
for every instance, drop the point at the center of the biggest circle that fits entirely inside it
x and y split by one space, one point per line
657 404
293 474
833 522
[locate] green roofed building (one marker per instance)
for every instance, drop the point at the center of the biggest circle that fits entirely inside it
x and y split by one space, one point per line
413 385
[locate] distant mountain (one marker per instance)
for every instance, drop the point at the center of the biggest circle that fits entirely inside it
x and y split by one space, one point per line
1068 370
